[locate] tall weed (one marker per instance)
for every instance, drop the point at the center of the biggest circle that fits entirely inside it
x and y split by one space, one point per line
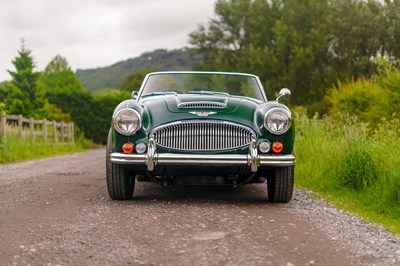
357 170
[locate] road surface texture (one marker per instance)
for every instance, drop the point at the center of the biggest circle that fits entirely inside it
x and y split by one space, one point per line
56 211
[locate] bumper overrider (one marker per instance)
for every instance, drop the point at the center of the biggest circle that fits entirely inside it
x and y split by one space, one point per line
252 159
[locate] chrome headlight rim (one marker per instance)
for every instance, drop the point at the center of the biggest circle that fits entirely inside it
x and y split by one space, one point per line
283 130
122 131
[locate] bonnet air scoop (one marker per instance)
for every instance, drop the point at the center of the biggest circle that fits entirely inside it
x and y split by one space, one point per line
186 103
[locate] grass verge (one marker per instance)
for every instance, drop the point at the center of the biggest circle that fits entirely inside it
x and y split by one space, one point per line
14 149
351 166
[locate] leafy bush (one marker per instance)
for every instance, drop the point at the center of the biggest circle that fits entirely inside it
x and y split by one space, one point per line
369 99
2 108
365 98
388 75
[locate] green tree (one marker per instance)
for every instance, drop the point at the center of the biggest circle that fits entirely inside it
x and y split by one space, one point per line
91 113
306 45
22 96
64 90
13 99
356 34
2 108
281 41
391 26
134 81
58 77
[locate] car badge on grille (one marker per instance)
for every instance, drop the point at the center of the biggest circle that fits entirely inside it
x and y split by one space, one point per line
202 113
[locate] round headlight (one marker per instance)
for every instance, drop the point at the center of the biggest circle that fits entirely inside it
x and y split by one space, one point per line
277 120
127 121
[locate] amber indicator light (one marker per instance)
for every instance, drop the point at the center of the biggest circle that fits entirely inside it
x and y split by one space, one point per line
277 147
127 147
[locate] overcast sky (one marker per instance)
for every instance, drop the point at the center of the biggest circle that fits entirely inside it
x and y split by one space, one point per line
95 33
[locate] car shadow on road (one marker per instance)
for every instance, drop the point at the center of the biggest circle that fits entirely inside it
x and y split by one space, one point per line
252 193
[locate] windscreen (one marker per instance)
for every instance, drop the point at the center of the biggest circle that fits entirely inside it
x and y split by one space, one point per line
202 83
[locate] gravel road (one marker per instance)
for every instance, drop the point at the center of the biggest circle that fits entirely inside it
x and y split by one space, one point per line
56 211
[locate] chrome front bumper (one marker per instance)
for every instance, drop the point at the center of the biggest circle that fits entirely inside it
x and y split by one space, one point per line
253 159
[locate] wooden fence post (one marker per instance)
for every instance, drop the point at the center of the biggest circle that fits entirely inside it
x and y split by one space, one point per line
62 131
55 131
20 126
32 127
45 130
3 127
72 132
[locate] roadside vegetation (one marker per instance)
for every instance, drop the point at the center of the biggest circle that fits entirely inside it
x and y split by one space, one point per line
351 165
15 150
353 158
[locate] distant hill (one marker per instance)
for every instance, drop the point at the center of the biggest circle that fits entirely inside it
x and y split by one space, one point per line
113 76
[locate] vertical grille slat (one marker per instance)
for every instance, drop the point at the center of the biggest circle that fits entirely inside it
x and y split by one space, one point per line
202 135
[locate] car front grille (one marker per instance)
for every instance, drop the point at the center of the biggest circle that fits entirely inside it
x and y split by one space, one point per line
202 135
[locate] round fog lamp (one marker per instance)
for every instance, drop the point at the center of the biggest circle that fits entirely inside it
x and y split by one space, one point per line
141 148
264 147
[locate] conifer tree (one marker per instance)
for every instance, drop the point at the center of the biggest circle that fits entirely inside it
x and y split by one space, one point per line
23 95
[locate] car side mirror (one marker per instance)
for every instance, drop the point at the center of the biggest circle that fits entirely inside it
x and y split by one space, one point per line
285 92
134 95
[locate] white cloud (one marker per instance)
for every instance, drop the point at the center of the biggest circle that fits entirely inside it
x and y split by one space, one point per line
94 33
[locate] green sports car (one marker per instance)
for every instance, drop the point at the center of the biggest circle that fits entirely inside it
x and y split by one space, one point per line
191 127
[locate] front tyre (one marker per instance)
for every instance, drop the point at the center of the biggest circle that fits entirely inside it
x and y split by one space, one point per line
280 184
120 181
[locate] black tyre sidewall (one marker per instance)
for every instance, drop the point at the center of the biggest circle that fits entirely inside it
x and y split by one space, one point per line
120 182
280 184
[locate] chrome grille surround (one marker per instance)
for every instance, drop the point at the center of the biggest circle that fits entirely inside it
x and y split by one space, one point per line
202 135
202 105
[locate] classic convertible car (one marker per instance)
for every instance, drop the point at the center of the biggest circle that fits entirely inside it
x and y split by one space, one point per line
188 127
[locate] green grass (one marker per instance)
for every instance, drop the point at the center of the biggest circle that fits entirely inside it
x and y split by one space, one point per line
353 167
14 149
